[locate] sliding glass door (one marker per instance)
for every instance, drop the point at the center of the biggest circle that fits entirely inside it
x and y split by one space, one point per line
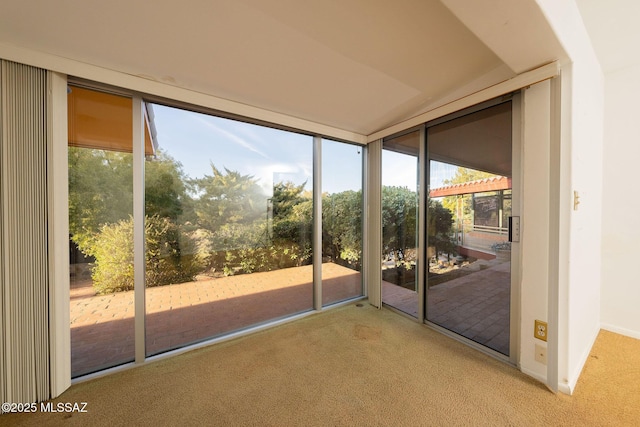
446 254
400 221
468 286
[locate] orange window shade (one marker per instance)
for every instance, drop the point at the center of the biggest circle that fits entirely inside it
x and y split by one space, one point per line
103 121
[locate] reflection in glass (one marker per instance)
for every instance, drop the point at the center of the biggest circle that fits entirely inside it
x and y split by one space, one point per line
400 222
228 227
469 203
341 221
101 230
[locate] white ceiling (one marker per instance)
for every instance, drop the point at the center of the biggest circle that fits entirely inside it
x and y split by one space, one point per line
356 65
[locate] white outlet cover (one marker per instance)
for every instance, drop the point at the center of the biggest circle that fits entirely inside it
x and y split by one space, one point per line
541 354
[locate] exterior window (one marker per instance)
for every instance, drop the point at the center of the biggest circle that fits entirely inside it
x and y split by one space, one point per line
101 230
228 227
341 221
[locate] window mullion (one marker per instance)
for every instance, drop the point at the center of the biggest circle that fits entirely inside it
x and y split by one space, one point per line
138 228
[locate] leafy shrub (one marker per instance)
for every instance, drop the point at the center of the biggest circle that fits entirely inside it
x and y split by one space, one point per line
263 258
112 249
171 255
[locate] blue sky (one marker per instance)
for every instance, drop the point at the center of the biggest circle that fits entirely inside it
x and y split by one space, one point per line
197 140
401 170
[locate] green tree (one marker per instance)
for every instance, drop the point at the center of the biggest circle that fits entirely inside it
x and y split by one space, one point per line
243 235
290 222
399 214
440 220
292 234
399 210
227 198
100 191
342 226
166 192
285 196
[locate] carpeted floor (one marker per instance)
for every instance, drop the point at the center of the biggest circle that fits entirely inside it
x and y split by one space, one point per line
352 366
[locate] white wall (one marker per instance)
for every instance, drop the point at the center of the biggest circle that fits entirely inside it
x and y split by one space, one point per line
585 244
534 241
620 307
582 141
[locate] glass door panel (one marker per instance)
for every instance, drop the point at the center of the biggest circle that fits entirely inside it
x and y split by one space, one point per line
341 221
469 203
400 174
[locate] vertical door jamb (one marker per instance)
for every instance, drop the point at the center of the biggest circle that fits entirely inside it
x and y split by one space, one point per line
516 210
138 229
372 250
317 223
423 189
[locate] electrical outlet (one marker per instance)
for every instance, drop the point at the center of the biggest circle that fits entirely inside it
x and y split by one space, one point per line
541 354
540 330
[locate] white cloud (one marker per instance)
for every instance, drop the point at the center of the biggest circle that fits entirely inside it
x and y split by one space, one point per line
231 136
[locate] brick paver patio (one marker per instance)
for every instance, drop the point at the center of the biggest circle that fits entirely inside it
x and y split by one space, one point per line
475 306
102 326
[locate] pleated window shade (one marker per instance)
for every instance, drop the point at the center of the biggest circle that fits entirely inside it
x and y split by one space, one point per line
24 283
103 121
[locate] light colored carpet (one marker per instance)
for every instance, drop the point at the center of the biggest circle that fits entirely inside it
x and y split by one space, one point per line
352 366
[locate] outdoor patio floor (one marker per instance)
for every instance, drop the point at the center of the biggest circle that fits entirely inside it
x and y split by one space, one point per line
102 326
475 306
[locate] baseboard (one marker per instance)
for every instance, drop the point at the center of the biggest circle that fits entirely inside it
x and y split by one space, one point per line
571 384
568 387
562 388
565 389
622 331
534 375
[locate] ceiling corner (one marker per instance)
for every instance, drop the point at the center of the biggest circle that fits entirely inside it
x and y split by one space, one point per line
517 32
